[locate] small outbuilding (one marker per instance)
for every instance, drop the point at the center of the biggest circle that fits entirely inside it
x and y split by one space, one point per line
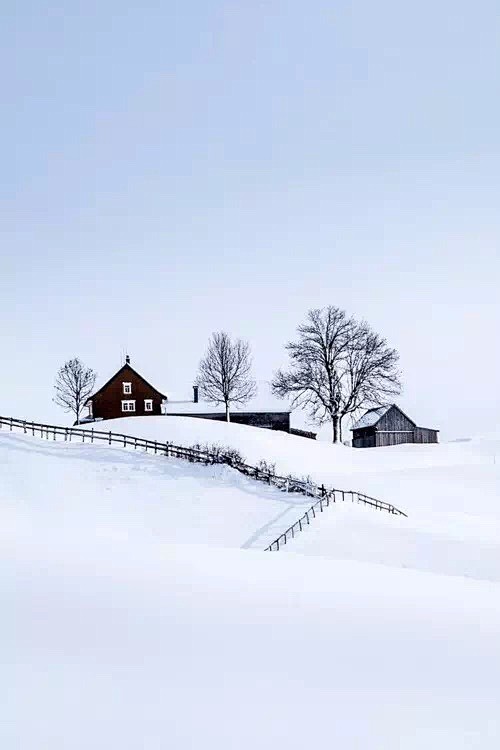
388 425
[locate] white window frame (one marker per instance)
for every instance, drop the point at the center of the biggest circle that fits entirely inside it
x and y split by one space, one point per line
127 389
148 404
128 406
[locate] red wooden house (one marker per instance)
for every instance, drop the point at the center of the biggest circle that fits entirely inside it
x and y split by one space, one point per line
126 394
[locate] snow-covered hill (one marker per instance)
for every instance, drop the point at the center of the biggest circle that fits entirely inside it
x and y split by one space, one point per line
451 493
47 489
126 625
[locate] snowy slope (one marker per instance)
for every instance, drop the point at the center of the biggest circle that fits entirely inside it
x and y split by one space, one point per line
118 632
130 647
46 488
451 493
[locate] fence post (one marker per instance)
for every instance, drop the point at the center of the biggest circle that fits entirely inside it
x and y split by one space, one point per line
110 437
24 425
11 424
156 447
92 435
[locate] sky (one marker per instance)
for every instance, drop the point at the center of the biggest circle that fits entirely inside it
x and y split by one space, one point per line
170 169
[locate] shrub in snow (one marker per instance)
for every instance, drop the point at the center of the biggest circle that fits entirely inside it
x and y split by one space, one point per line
266 467
221 453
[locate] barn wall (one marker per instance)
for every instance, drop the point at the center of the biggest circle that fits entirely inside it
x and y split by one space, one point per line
268 420
423 435
108 403
363 438
394 438
395 421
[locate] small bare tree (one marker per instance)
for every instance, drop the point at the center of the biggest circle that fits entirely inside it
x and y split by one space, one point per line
74 384
338 366
224 374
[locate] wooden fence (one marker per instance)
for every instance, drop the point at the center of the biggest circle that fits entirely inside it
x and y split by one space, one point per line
324 496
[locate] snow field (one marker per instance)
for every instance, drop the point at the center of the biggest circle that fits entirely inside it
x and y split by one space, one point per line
112 493
451 493
136 646
127 622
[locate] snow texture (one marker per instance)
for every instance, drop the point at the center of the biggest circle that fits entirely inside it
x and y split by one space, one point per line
125 624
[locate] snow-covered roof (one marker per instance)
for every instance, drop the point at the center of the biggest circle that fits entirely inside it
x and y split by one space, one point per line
371 417
205 407
264 401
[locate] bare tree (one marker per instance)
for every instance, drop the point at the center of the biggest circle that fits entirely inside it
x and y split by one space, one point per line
371 377
338 366
317 359
74 384
224 374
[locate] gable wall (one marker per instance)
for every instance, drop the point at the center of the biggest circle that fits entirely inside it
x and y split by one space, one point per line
395 421
108 403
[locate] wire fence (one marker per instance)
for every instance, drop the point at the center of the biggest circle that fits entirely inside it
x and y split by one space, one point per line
325 497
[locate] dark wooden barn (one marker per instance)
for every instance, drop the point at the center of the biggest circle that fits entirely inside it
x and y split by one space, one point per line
388 425
126 394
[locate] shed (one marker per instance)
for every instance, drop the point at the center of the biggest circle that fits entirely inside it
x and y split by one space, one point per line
389 425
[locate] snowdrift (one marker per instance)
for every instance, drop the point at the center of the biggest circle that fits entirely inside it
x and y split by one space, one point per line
133 646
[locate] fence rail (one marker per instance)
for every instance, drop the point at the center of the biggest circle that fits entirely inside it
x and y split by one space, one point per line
198 455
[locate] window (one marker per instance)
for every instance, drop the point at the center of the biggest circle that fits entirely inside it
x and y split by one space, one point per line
148 404
128 405
127 388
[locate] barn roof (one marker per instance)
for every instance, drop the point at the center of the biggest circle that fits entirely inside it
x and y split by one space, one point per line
371 417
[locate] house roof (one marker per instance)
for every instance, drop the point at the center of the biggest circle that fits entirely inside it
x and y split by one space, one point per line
126 368
371 417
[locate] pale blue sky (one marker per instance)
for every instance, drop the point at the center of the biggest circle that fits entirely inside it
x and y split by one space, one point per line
180 167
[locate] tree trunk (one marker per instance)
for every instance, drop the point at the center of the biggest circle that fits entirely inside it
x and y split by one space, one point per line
228 418
335 425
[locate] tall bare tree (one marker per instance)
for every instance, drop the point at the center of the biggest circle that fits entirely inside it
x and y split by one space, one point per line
224 374
317 359
74 384
371 376
337 367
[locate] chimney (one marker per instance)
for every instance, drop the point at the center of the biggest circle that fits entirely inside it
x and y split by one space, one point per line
195 394
127 360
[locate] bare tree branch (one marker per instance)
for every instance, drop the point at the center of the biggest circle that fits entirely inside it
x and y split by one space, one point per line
224 374
73 385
